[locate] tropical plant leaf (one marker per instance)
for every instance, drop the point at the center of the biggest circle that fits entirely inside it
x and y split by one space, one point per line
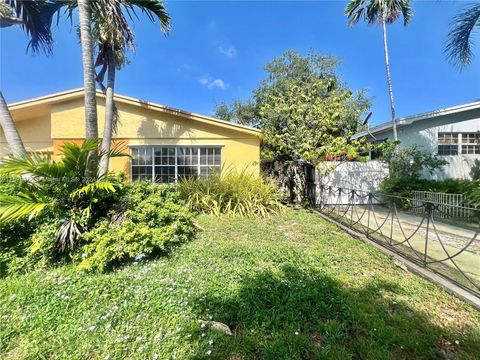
93 187
458 48
24 204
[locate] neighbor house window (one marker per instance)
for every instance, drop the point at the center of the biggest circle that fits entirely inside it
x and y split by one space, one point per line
168 164
471 143
447 143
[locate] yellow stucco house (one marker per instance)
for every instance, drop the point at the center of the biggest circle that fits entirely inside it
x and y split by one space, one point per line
164 143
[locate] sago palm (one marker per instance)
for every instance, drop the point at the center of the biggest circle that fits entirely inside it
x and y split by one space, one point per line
381 12
460 39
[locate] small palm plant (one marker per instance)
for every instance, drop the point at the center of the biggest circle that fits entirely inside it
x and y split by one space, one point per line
59 190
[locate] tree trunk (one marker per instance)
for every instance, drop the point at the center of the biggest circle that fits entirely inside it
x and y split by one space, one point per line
10 130
109 115
389 80
91 125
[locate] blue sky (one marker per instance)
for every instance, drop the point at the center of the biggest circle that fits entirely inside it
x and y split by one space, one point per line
217 50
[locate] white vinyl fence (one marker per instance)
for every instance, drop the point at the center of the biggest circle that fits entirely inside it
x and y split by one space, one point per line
445 205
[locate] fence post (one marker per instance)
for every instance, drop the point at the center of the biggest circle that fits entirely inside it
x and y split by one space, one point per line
428 209
393 210
370 202
352 204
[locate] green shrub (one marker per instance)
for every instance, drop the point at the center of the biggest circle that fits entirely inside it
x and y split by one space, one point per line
232 193
153 221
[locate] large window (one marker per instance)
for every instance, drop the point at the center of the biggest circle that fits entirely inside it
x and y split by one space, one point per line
447 144
471 143
458 143
168 164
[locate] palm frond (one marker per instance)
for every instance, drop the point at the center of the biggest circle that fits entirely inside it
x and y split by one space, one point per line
36 17
110 25
377 11
14 207
458 48
152 9
91 188
67 234
34 165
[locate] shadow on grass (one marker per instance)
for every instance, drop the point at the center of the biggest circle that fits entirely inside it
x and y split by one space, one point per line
293 314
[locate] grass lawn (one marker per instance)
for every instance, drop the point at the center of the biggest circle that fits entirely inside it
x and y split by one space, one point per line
289 287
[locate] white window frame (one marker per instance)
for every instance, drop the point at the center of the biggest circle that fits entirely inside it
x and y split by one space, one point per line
458 143
476 143
176 147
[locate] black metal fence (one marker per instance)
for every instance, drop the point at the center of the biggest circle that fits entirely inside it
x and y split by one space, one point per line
425 233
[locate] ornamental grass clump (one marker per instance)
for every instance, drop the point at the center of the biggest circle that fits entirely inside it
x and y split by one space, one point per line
234 192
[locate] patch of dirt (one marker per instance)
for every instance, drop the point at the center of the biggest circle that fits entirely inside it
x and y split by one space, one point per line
447 349
317 340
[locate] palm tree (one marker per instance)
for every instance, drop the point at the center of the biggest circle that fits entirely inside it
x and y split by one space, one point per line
74 198
115 38
381 12
459 43
35 17
86 39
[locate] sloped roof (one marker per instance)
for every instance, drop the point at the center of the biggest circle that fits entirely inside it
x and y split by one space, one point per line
78 93
408 120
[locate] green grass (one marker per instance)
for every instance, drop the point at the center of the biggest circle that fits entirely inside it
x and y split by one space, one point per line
289 287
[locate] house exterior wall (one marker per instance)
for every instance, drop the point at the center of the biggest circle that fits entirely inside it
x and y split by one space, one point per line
65 122
35 133
424 134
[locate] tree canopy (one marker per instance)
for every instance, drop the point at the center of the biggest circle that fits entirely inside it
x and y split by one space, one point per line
304 109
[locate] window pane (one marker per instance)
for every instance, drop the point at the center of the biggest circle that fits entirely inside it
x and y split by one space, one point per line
470 138
218 157
447 138
447 150
470 149
164 174
203 156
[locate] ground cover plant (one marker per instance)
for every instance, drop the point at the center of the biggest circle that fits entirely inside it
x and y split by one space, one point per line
290 286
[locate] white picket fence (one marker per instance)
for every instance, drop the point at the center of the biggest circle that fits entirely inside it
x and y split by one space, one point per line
445 205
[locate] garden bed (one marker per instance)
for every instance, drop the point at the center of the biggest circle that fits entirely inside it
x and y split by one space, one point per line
291 286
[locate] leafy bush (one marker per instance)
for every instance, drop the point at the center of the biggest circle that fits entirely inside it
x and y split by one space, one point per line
232 193
152 221
56 192
14 233
405 169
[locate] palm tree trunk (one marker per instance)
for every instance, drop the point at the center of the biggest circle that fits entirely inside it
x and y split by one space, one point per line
109 115
91 124
389 80
10 130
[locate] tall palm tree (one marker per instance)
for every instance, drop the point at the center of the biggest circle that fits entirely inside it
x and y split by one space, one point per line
381 12
86 39
35 17
460 39
115 38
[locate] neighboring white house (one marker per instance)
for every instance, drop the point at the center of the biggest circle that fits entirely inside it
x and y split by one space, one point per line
453 133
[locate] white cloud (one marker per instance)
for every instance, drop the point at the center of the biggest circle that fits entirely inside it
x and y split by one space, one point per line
183 68
211 83
227 51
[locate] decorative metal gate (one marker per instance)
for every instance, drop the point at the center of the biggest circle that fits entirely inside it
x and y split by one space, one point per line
429 233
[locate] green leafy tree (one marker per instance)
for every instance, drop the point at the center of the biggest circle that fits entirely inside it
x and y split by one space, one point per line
381 12
303 109
460 39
